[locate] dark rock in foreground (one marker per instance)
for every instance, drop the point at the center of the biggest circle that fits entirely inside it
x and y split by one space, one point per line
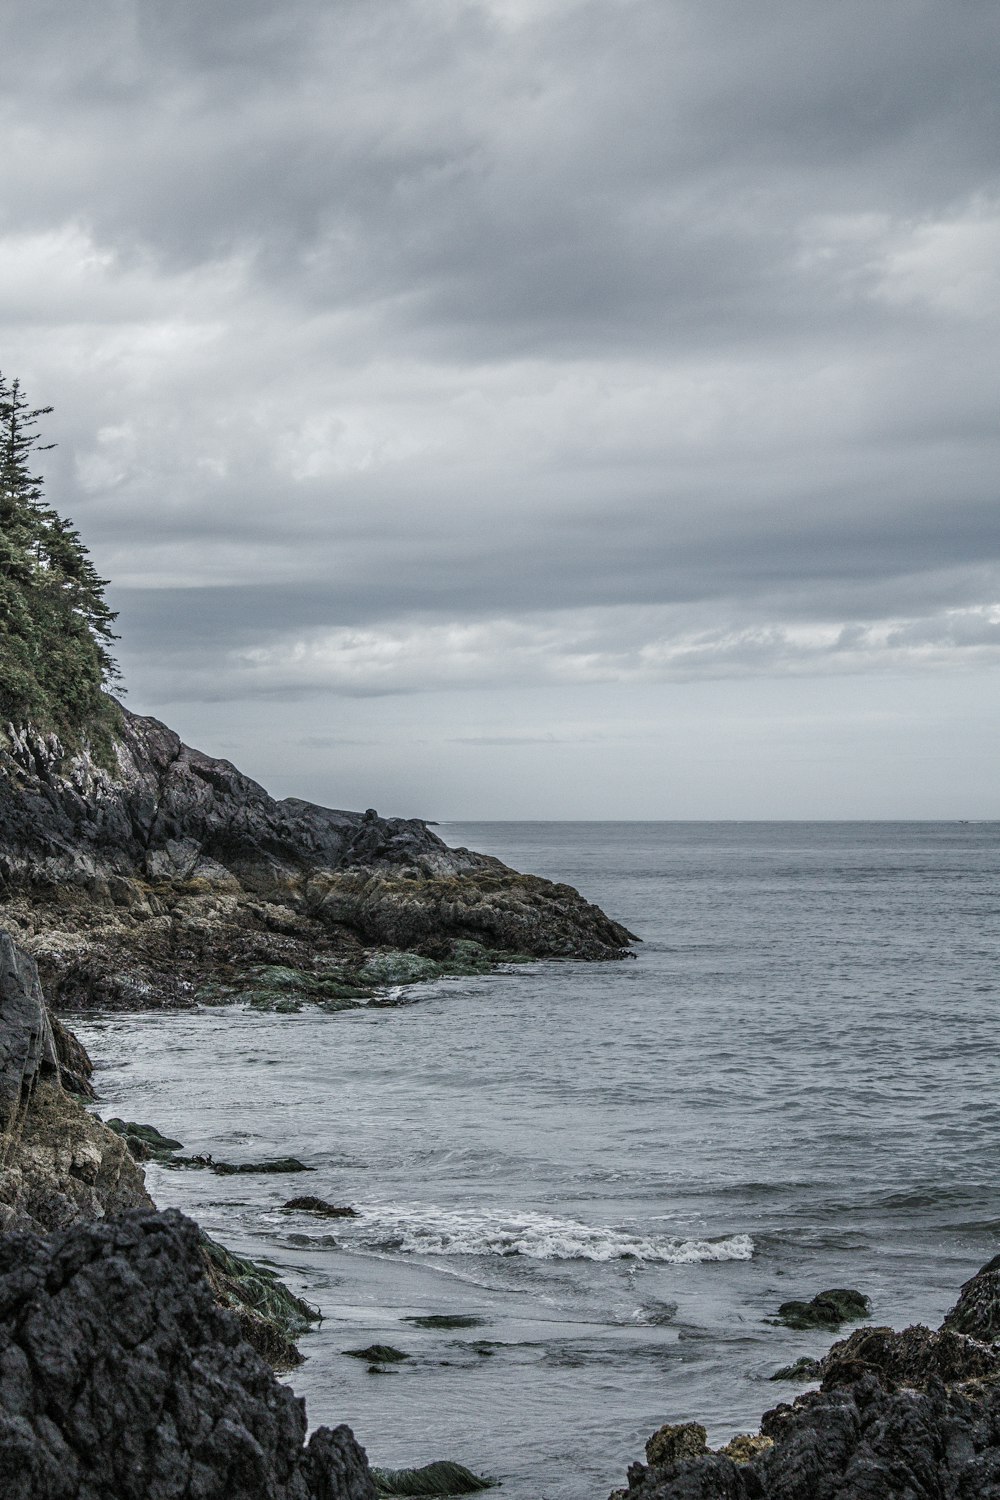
136 887
911 1415
121 1377
856 1443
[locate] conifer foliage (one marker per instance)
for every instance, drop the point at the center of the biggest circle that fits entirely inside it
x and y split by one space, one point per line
55 625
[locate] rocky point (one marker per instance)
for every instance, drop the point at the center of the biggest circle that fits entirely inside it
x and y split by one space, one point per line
166 876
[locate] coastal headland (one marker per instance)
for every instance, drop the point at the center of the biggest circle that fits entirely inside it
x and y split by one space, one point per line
137 1356
115 1318
158 876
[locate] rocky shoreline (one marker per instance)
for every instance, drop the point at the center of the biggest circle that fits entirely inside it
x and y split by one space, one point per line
911 1415
124 1353
171 879
136 1355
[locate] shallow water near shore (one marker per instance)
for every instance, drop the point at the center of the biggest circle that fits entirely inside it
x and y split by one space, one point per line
620 1169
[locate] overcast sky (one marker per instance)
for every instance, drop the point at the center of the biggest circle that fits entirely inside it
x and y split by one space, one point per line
529 408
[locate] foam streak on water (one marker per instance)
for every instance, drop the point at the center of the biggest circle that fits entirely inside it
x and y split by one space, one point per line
617 1170
426 1230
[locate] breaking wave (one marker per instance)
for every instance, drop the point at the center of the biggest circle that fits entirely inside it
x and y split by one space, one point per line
425 1230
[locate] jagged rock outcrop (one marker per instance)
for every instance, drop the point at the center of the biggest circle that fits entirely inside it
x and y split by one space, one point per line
899 1416
856 1443
977 1311
120 1376
131 885
58 1164
916 1357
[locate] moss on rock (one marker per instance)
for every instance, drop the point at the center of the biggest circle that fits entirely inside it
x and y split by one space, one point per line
270 1315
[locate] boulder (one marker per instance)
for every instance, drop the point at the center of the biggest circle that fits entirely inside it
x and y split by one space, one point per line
120 1376
826 1310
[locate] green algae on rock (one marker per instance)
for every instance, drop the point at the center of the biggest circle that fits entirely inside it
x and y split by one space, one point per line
378 1354
144 1141
445 1320
803 1369
440 1478
320 1206
274 1165
271 1317
826 1310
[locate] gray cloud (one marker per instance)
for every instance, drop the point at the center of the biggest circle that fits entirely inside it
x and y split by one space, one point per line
411 347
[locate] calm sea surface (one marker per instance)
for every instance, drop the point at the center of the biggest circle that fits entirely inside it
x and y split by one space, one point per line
622 1168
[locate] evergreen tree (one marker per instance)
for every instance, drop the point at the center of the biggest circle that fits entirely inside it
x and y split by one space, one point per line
56 627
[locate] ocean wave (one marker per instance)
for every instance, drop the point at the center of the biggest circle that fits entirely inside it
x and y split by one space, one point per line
426 1230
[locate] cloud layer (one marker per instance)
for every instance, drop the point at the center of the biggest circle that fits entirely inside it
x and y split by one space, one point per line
429 347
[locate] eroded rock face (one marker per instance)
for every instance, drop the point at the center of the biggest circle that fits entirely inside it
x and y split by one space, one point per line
58 1164
120 1376
168 812
64 1166
131 885
27 1043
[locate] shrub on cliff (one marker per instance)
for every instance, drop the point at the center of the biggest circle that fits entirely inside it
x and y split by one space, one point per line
55 624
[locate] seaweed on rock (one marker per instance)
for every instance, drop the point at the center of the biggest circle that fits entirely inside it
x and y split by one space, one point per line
270 1315
440 1478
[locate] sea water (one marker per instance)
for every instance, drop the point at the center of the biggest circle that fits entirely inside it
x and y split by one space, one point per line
620 1170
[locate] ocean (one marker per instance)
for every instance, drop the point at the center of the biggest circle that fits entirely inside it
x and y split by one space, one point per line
620 1170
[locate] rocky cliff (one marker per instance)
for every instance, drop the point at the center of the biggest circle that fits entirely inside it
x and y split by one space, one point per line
135 885
58 1164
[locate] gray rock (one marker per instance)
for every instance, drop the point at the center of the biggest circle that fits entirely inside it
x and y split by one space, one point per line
134 886
121 1377
27 1044
58 1164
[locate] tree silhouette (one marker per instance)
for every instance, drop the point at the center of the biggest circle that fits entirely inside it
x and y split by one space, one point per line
56 627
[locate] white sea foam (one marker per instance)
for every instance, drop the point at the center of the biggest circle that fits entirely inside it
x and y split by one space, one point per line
427 1230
